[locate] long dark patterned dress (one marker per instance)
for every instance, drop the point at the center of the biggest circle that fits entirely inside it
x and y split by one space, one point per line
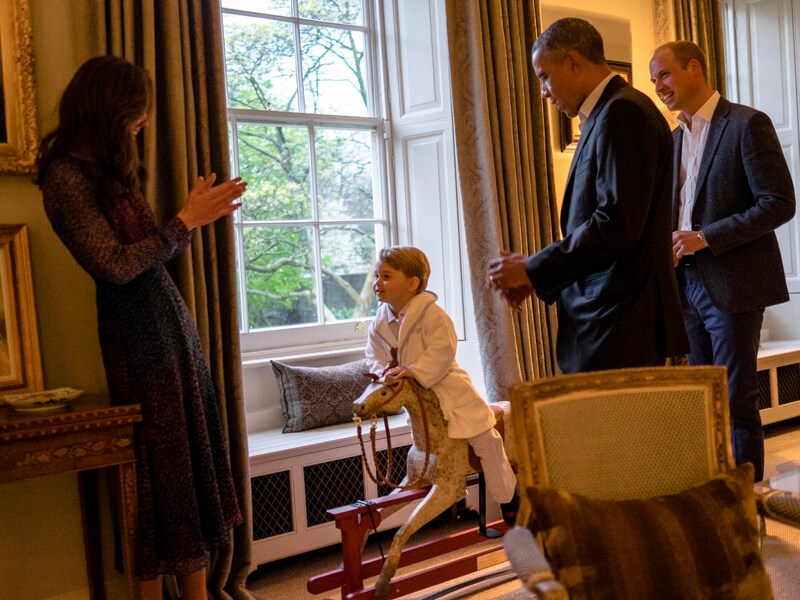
152 356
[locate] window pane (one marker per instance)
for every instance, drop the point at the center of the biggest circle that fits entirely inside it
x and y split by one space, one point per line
348 265
334 76
345 172
314 211
260 61
274 161
344 11
273 7
279 274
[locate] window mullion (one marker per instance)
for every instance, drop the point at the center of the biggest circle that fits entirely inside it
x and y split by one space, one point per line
315 217
298 59
244 320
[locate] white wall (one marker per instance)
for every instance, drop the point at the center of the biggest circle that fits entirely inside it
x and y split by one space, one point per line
628 36
761 41
41 544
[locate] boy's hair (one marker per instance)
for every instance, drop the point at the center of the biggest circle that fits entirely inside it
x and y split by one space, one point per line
410 261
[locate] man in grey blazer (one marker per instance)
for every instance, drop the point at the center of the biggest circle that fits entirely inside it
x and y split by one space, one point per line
731 190
612 273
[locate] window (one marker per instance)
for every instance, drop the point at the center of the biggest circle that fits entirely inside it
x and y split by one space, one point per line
307 134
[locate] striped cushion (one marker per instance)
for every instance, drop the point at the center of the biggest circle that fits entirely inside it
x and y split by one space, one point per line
699 544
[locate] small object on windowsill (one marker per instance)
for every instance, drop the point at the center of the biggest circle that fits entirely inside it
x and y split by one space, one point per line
41 401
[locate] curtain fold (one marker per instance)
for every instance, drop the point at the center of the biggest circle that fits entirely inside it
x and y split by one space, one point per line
180 43
505 173
700 21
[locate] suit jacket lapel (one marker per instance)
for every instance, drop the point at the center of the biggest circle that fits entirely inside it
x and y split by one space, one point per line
716 128
676 177
614 84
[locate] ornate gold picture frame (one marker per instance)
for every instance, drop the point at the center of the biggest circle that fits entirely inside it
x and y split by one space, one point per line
19 136
570 133
20 361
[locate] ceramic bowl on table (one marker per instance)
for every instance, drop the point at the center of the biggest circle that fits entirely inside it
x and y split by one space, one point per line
41 401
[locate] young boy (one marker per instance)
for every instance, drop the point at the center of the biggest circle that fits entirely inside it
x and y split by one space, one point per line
412 336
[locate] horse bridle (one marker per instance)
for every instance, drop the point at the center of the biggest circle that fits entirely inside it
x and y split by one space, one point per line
379 478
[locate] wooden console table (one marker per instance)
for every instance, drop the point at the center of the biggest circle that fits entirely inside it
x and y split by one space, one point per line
88 434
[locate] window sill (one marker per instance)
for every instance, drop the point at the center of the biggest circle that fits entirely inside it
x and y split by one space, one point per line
318 352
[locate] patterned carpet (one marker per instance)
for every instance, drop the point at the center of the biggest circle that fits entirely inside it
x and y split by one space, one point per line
781 549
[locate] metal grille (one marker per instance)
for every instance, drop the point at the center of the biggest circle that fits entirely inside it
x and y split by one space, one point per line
272 505
788 383
399 467
764 400
332 484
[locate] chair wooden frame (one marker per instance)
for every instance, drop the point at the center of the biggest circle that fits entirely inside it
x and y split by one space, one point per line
528 399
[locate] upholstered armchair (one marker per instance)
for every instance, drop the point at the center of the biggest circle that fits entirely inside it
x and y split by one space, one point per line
629 490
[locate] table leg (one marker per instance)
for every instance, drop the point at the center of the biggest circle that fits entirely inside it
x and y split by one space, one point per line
92 540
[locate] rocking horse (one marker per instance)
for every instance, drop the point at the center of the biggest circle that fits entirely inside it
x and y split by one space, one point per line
438 470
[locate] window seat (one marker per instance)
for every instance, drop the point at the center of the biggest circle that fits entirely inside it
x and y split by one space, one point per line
272 444
779 380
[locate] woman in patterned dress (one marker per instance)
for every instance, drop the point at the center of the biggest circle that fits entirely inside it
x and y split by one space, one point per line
92 182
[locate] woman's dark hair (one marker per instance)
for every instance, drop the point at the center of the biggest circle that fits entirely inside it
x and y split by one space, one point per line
103 100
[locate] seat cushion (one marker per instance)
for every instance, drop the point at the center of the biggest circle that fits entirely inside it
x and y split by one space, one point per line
700 544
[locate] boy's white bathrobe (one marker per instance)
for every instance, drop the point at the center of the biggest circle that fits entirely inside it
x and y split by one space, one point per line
427 346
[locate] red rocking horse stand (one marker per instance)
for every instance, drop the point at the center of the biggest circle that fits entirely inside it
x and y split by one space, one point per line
439 484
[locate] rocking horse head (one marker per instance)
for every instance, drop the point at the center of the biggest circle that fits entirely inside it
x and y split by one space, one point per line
380 397
388 398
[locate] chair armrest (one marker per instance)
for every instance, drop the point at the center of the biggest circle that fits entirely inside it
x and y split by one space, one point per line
780 505
531 566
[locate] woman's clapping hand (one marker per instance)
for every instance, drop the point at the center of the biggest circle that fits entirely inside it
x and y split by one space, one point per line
206 203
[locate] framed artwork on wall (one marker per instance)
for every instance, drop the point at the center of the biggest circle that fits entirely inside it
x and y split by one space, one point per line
20 361
19 138
570 132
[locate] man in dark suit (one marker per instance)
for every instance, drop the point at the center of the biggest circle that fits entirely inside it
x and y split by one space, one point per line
612 273
731 189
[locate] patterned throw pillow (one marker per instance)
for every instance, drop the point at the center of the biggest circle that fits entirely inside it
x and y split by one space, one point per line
701 543
318 396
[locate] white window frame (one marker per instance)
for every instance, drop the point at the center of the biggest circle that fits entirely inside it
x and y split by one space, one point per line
431 221
341 336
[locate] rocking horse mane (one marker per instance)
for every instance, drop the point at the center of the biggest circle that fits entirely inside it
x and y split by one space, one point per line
421 403
407 394
424 394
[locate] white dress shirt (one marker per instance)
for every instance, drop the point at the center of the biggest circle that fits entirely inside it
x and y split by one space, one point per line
695 134
591 100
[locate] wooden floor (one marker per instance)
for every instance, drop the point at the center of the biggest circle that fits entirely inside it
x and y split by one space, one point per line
782 446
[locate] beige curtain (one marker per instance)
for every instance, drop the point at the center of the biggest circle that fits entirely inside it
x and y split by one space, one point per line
700 21
180 43
505 170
